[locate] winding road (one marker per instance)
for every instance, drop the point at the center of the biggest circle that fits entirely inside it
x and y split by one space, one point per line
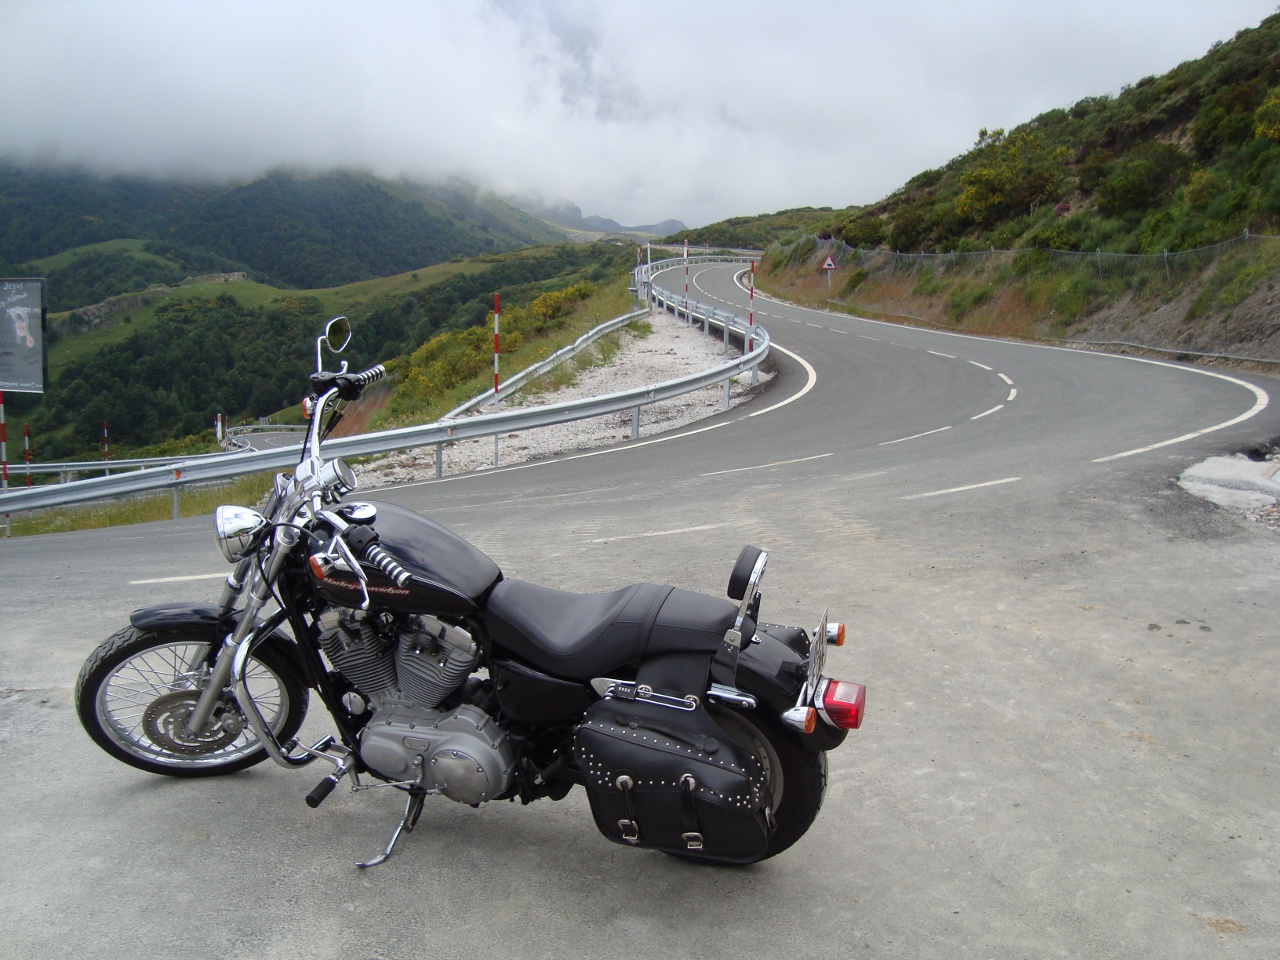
1070 746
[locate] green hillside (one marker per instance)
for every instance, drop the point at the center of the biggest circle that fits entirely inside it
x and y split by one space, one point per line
288 229
1173 162
162 365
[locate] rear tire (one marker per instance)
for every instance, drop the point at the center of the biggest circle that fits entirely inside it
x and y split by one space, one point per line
135 691
797 777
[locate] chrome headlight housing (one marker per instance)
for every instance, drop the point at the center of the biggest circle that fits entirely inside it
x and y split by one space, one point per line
237 530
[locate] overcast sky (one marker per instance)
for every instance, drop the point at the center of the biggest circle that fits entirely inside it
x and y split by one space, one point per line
635 110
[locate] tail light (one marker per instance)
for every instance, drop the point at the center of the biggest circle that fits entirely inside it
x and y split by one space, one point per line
843 703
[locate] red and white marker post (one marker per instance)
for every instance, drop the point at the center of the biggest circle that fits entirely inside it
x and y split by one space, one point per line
4 460
751 323
688 318
497 312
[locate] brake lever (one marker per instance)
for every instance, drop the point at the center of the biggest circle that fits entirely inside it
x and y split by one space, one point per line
338 549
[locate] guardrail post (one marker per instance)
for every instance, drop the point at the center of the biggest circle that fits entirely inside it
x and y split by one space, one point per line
724 401
439 460
635 423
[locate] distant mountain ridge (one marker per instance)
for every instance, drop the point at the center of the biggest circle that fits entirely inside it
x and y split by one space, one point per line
569 215
288 228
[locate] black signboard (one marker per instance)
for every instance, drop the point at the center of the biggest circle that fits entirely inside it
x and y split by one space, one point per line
23 319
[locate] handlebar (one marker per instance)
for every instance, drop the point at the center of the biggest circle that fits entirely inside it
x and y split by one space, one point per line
388 565
351 385
363 539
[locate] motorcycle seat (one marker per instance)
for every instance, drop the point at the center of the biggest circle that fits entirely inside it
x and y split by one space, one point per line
586 635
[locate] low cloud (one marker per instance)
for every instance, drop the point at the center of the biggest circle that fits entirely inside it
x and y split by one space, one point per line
695 111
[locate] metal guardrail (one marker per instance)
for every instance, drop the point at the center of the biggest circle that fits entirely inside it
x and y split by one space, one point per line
229 465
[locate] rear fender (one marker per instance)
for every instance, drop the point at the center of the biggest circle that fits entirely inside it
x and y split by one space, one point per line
773 667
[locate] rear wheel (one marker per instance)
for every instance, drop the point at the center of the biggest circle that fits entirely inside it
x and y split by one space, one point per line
797 777
135 692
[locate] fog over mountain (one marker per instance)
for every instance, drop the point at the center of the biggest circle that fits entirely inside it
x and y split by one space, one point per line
637 114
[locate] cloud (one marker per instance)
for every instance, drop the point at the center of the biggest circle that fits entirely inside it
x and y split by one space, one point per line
637 112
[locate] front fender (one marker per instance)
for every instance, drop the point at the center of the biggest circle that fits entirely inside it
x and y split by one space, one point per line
204 618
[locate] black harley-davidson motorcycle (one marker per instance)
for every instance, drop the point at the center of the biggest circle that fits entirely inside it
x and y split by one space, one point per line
695 728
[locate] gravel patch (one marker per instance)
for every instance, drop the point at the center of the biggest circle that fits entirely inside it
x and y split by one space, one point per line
674 349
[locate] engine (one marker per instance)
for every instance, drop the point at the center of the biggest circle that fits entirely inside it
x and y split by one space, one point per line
404 668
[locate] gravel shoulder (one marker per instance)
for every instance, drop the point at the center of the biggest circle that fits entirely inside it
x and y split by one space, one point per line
673 349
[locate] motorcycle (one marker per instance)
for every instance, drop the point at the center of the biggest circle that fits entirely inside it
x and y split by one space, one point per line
695 728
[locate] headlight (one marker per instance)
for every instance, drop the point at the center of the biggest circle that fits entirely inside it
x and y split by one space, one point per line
237 530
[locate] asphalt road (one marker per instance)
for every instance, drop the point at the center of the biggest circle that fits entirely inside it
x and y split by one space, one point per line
1070 746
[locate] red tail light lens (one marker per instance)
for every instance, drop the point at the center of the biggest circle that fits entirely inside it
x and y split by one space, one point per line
843 703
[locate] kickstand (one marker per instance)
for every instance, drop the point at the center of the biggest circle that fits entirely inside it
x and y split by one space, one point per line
412 810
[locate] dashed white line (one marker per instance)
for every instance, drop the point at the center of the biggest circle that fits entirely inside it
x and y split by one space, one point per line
1012 393
982 365
972 486
1005 379
987 412
816 326
937 354
762 466
663 533
914 436
863 336
198 576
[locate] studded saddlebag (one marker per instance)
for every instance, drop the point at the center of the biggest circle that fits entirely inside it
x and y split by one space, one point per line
673 780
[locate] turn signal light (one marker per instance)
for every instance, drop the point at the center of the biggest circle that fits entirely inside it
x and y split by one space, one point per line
802 718
835 634
843 703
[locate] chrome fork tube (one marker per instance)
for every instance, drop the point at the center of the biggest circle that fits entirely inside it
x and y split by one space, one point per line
259 593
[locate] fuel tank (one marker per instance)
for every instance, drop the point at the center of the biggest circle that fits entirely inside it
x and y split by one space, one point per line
450 576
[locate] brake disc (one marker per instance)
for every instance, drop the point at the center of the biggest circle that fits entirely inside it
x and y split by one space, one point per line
165 722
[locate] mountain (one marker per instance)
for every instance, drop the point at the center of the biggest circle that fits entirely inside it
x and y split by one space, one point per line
287 228
1173 162
569 215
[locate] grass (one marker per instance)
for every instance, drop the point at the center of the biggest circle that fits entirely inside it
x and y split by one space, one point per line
192 502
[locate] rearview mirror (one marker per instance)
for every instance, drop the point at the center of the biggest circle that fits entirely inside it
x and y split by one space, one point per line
336 336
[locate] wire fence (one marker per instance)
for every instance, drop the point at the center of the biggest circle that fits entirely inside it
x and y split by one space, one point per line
1171 265
1164 275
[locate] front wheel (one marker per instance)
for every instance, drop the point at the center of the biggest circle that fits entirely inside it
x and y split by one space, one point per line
136 690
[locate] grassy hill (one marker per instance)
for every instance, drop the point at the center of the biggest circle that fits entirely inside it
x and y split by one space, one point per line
1139 218
94 238
162 365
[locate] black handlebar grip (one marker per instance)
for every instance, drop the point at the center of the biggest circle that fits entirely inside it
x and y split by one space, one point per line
388 565
322 790
372 375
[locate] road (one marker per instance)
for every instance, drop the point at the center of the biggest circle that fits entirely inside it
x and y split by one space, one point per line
1070 747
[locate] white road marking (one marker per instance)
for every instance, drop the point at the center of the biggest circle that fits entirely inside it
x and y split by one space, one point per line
937 354
816 326
198 576
972 486
663 533
762 466
1260 403
834 330
863 336
977 364
914 436
1005 379
1012 393
986 412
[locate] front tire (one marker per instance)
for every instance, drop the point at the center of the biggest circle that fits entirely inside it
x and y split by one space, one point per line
135 691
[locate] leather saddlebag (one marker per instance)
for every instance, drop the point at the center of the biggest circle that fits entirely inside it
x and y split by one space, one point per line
672 780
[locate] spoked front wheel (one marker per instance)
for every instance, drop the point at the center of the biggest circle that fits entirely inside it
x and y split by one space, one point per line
135 692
